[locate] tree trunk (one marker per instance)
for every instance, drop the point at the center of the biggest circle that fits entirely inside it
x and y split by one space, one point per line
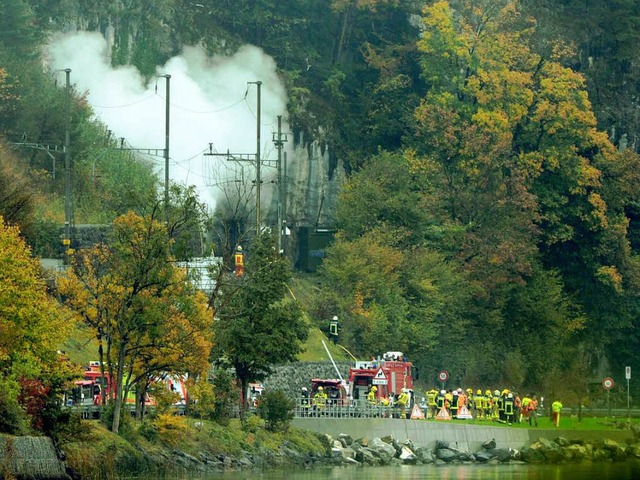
244 405
104 385
117 406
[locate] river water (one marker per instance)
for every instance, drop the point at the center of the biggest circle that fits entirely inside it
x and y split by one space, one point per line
599 471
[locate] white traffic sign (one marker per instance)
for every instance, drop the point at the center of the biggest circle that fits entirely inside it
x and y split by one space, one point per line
443 376
608 383
627 373
379 378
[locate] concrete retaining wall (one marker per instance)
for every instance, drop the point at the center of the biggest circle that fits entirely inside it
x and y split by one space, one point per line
464 437
30 457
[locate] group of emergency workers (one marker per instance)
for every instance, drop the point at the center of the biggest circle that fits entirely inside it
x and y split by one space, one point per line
401 401
504 406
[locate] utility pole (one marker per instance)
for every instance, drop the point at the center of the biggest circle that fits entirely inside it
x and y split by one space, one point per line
166 151
278 141
284 206
157 151
250 157
258 176
67 172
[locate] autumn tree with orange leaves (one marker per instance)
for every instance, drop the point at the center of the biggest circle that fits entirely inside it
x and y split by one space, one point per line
147 316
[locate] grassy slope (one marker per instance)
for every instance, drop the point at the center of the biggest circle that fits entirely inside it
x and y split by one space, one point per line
303 288
81 346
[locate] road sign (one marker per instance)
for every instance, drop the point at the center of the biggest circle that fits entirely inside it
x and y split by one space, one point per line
443 376
608 383
379 378
627 373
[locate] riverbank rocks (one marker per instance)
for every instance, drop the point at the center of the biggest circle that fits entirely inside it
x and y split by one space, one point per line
562 450
390 451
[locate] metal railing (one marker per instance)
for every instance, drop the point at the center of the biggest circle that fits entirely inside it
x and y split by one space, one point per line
95 411
338 408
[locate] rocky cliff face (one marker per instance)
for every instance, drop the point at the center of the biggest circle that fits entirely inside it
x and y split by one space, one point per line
313 182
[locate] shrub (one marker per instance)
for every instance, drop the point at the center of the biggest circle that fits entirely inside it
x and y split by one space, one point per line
276 408
171 428
251 424
13 419
214 399
148 431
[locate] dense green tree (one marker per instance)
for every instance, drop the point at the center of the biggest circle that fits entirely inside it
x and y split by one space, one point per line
256 325
20 35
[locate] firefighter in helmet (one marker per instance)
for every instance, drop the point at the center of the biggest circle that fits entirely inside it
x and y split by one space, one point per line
319 400
372 397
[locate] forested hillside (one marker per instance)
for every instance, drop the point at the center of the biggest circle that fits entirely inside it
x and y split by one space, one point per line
490 222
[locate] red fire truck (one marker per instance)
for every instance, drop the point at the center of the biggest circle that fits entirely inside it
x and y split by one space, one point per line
390 374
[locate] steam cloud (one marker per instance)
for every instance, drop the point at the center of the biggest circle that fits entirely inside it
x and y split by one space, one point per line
211 102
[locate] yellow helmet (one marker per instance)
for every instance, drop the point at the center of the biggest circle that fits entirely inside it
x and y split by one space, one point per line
320 389
469 390
374 389
479 392
488 392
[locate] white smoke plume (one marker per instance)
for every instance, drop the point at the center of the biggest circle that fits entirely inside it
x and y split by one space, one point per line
211 101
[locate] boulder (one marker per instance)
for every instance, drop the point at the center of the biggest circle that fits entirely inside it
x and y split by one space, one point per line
441 444
362 441
387 439
483 456
600 455
348 453
379 445
515 454
446 454
575 453
501 454
345 439
550 450
633 450
409 444
489 445
466 457
398 448
366 456
382 450
424 454
408 457
616 451
532 455
336 452
619 454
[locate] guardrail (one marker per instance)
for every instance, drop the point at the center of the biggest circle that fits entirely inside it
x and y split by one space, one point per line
603 412
305 408
95 411
362 409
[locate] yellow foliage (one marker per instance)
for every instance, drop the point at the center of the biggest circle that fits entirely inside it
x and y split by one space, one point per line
609 275
172 429
32 324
